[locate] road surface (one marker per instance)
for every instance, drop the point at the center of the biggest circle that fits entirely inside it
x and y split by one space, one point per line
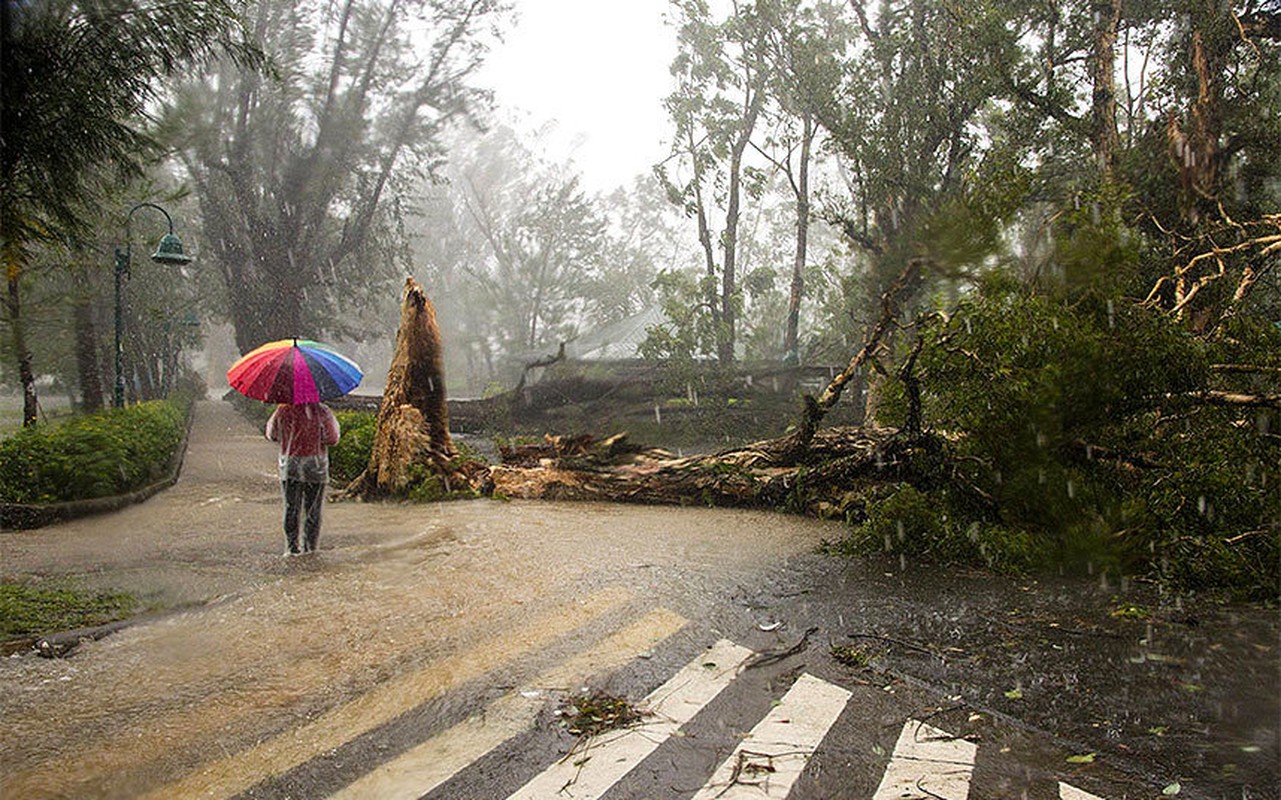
438 650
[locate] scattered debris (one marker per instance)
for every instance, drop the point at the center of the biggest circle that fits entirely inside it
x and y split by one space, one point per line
848 655
599 712
774 656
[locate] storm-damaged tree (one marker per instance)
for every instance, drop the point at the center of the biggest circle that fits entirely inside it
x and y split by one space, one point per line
78 78
1113 407
413 453
301 176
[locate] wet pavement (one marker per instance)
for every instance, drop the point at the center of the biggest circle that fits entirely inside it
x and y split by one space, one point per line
293 677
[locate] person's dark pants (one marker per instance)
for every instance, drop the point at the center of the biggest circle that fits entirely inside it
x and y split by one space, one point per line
308 498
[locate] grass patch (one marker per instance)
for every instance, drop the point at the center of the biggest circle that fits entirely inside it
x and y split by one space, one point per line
30 611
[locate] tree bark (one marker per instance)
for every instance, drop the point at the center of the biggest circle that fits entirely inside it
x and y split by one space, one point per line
30 404
413 419
791 348
1103 135
88 367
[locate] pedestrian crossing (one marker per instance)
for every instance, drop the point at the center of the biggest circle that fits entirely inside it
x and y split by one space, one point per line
754 734
768 760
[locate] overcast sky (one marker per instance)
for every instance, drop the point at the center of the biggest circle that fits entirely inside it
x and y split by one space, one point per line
598 68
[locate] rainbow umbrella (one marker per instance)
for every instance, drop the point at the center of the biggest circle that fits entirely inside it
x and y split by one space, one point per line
293 371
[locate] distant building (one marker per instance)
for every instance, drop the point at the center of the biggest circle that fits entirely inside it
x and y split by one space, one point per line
617 341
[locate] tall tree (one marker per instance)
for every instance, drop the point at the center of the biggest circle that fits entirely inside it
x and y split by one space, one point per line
78 80
720 95
815 36
519 257
900 102
300 177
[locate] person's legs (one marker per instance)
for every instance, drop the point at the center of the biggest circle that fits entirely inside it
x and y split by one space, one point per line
314 500
293 492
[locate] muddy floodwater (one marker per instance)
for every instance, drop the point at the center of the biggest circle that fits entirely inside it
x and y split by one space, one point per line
255 666
264 643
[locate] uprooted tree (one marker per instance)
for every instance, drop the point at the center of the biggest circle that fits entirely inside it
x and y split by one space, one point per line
1018 429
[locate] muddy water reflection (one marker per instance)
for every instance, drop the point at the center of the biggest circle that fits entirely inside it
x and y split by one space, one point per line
400 591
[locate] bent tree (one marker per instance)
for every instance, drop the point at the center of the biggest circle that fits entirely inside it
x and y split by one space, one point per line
77 81
301 176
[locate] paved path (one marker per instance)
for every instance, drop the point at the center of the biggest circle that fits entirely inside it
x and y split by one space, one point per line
427 649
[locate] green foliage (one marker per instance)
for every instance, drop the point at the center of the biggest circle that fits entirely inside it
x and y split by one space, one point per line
911 523
350 456
27 611
688 336
1081 418
98 455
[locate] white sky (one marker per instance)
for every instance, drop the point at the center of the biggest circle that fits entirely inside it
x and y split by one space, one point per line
598 69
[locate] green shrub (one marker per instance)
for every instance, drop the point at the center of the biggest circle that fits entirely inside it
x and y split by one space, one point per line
923 525
108 453
350 456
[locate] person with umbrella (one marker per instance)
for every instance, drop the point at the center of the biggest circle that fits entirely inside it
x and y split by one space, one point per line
297 375
304 432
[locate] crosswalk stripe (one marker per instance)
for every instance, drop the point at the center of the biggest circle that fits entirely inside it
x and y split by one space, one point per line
927 759
772 756
1072 793
591 772
435 761
229 776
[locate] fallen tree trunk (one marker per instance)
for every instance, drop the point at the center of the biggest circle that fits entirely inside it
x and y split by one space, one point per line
840 465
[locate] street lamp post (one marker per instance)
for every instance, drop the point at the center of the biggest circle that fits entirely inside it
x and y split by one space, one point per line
168 251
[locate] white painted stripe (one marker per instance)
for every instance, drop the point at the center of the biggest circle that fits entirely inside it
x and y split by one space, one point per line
589 773
1072 793
421 769
772 756
928 762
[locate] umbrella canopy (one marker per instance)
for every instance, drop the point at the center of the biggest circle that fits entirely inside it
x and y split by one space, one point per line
293 371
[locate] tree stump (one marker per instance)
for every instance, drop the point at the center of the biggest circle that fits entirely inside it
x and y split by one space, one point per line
412 445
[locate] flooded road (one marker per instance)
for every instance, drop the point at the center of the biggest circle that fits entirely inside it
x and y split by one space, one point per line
294 677
269 643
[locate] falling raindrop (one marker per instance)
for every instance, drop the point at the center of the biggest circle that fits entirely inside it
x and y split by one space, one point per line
889 545
898 524
1040 476
902 561
658 415
1200 505
968 330
1111 315
1071 490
